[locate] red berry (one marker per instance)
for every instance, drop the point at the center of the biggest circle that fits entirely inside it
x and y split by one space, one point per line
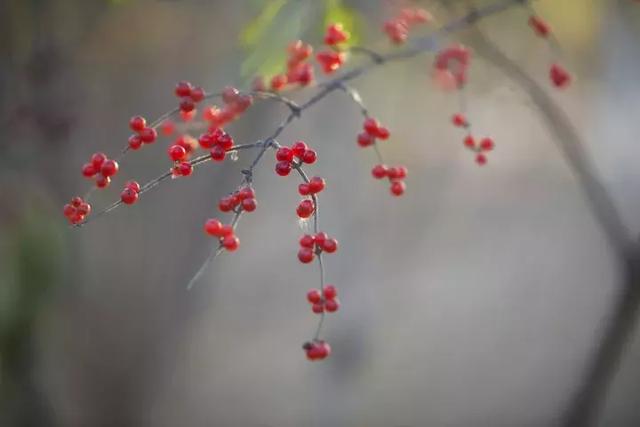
226 230
97 159
133 185
103 181
330 60
299 148
229 94
304 189
469 142
197 94
148 135
371 126
185 169
559 76
307 241
206 141
320 238
305 208
365 139
218 153
137 123
249 205
379 171
129 196
383 133
213 227
309 156
183 89
278 82
330 292
335 34
540 27
187 105
332 305
84 209
284 154
226 204
397 188
135 142
176 152
283 168
486 144
88 170
459 120
330 245
109 168
314 296
316 185
69 210
247 193
481 159
317 308
305 255
230 242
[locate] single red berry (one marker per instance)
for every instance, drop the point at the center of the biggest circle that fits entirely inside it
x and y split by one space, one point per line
486 144
469 142
176 152
129 196
459 120
133 185
283 168
218 153
299 149
249 205
335 34
317 308
278 82
332 305
397 172
229 94
109 168
183 89
284 154
305 255
88 170
69 210
187 105
206 141
148 135
103 181
226 204
307 241
371 126
383 133
76 201
365 139
168 128
379 171
137 123
481 159
226 230
213 227
540 27
330 60
305 209
559 76
316 185
397 188
247 193
197 94
135 142
330 245
330 292
309 157
320 238
97 159
185 168
303 189
314 296
84 209
230 242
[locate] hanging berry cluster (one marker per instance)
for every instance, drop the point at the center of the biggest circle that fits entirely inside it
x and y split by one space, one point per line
558 75
186 151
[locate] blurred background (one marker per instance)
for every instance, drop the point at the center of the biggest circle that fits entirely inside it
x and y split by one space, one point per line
476 299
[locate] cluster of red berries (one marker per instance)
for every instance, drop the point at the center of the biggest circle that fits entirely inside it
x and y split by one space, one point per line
311 245
558 75
317 349
324 301
217 141
244 198
452 63
372 130
397 28
76 210
299 71
395 174
129 194
307 206
142 133
331 60
189 96
224 232
286 157
235 103
479 147
100 168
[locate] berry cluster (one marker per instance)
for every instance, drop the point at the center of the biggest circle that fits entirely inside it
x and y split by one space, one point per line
452 64
397 28
480 148
217 141
286 157
129 194
235 103
558 75
310 245
325 300
100 168
76 210
372 130
317 349
299 71
331 60
189 96
395 174
224 232
143 134
245 198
